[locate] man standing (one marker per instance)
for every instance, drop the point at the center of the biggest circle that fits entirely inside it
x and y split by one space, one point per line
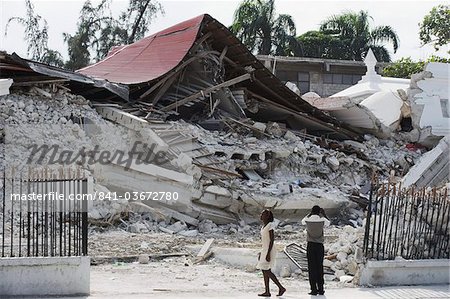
315 222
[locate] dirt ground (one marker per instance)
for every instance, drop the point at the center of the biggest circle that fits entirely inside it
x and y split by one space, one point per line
116 242
171 279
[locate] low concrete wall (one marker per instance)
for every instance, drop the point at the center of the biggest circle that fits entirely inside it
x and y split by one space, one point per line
44 276
405 272
245 258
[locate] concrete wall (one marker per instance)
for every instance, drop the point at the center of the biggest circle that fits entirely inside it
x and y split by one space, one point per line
44 276
405 272
245 258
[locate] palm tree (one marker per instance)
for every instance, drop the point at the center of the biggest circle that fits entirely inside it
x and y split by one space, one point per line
257 26
353 29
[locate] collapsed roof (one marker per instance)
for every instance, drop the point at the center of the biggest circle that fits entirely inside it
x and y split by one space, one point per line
198 70
28 73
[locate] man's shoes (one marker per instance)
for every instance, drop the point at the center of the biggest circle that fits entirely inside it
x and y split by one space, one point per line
313 293
321 292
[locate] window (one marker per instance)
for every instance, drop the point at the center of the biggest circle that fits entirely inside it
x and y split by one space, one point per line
347 79
444 107
303 82
301 79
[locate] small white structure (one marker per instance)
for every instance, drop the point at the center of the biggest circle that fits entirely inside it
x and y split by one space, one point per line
5 84
375 104
430 107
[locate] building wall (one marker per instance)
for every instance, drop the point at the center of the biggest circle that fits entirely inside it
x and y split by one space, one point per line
44 276
326 77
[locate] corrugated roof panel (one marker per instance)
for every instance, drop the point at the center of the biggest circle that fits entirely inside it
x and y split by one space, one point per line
148 58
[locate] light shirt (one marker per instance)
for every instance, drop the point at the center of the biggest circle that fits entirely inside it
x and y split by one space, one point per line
314 227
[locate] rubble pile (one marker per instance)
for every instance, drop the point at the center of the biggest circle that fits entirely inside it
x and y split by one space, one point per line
277 166
53 117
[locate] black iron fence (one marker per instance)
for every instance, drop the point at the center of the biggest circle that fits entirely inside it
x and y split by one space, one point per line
413 224
43 214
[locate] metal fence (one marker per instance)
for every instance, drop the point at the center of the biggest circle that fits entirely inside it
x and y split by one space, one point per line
413 224
43 214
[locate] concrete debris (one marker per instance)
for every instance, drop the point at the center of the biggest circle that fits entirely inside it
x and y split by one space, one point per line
285 174
223 178
432 169
5 84
143 259
203 253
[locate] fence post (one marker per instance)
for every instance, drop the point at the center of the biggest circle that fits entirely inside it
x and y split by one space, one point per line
84 220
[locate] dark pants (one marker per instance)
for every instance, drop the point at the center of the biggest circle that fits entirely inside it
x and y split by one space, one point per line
315 253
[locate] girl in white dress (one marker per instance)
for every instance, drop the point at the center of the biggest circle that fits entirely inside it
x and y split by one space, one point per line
267 256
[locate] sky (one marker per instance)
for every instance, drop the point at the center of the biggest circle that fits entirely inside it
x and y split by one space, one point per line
62 16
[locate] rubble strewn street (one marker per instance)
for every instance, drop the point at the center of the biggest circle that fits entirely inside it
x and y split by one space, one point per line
278 169
168 171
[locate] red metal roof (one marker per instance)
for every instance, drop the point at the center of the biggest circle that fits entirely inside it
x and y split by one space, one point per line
148 58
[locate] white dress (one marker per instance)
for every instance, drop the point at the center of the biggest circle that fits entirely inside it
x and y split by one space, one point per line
263 264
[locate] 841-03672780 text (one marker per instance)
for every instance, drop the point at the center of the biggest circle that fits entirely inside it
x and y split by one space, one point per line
148 195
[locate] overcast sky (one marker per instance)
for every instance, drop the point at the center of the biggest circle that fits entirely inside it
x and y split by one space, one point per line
62 16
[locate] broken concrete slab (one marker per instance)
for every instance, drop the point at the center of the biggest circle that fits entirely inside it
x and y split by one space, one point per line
432 169
215 215
180 216
216 196
205 248
135 123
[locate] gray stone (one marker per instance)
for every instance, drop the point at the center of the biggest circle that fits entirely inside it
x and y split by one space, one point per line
327 263
29 108
259 126
189 233
177 227
291 136
345 278
282 153
274 129
333 162
143 259
356 144
339 273
285 272
341 256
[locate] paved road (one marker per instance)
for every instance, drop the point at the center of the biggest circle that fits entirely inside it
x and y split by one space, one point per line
408 292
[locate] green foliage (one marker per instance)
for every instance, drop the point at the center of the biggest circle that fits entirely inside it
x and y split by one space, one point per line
257 26
353 30
405 66
321 45
435 27
36 36
98 32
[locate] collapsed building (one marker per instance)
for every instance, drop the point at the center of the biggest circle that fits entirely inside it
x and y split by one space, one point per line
235 138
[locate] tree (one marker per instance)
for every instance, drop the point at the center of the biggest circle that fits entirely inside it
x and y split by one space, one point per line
354 30
405 66
257 26
321 45
36 36
435 27
98 31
